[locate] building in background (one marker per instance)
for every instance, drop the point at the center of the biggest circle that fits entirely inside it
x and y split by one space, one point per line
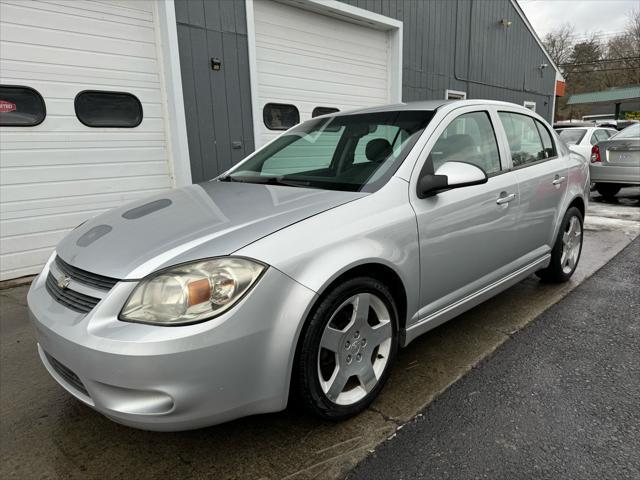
105 101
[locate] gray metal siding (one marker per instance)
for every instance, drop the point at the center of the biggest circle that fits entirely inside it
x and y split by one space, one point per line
460 45
217 103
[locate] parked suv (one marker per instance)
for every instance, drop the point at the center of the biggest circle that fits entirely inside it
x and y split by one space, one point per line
306 266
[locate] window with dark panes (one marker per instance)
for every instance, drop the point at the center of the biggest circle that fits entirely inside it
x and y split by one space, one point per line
21 106
318 111
524 139
468 138
108 109
279 116
547 141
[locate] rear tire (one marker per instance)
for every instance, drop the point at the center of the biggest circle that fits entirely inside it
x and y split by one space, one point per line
346 349
567 249
608 190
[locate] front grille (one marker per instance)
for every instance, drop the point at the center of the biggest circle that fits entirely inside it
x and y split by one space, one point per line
67 374
82 276
74 300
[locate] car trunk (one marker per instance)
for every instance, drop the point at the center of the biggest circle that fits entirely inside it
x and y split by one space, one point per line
623 153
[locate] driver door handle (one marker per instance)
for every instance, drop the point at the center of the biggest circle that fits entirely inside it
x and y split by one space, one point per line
505 199
558 180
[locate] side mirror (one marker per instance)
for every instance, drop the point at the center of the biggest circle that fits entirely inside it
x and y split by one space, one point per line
450 175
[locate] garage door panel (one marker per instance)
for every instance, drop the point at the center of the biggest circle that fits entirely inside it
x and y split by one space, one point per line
14 193
285 48
46 71
320 64
320 45
312 73
80 156
45 54
78 41
23 13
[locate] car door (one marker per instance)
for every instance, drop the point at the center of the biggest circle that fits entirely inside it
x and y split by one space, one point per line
466 235
542 182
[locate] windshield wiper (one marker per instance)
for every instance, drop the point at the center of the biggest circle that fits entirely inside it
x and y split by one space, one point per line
267 181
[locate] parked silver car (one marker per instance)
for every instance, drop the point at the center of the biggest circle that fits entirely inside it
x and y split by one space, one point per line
615 163
304 268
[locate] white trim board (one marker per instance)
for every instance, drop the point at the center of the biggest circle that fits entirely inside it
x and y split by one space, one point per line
175 120
344 12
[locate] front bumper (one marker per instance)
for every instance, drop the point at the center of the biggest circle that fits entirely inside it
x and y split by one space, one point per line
174 378
629 175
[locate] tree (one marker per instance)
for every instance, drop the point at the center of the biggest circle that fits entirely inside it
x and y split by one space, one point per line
559 43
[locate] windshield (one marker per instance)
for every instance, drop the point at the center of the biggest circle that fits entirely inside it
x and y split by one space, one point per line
630 132
571 136
358 152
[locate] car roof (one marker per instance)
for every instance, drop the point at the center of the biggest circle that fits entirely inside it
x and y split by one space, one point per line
431 105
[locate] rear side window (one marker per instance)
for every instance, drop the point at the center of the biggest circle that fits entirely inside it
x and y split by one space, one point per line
524 140
21 107
280 116
547 141
469 138
323 111
108 109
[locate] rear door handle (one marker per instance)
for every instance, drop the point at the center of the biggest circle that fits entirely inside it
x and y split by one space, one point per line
505 199
558 180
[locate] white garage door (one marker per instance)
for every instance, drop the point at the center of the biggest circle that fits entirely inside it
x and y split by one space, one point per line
310 60
59 173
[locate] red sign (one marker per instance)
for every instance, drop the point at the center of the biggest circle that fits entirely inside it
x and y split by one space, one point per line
7 106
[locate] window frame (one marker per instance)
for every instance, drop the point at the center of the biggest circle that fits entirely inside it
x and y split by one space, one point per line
283 129
333 110
75 108
458 94
42 102
535 123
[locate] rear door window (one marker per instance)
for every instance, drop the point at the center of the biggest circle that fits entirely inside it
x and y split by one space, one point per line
21 106
524 139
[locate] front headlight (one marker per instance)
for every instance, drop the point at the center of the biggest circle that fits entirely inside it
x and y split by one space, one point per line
191 293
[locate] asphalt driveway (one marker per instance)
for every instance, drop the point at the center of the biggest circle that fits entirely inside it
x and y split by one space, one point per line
561 400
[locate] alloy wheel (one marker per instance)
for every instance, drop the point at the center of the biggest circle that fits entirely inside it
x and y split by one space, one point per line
354 348
571 243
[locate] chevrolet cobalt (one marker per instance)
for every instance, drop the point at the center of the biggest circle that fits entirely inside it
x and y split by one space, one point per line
303 269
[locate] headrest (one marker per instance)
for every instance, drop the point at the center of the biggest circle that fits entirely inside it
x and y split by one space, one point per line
378 150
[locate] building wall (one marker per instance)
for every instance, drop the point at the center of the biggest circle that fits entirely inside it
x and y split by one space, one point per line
217 102
461 45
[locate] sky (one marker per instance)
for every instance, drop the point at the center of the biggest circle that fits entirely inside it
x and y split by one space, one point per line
601 16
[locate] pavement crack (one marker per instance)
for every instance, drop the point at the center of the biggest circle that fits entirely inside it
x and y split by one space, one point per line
386 417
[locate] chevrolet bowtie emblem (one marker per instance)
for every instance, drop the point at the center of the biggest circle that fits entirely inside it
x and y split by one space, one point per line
63 282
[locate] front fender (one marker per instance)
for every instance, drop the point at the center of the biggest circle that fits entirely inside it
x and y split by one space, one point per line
379 228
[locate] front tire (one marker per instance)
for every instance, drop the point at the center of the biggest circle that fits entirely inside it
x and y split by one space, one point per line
347 349
608 190
566 250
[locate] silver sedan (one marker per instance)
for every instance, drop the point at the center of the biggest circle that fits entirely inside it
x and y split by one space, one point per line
305 267
615 163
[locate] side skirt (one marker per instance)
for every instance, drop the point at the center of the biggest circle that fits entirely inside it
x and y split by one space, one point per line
447 313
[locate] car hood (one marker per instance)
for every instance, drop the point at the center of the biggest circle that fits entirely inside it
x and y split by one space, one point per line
198 221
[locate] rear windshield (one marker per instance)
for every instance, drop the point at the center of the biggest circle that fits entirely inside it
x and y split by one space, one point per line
357 153
572 136
630 132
